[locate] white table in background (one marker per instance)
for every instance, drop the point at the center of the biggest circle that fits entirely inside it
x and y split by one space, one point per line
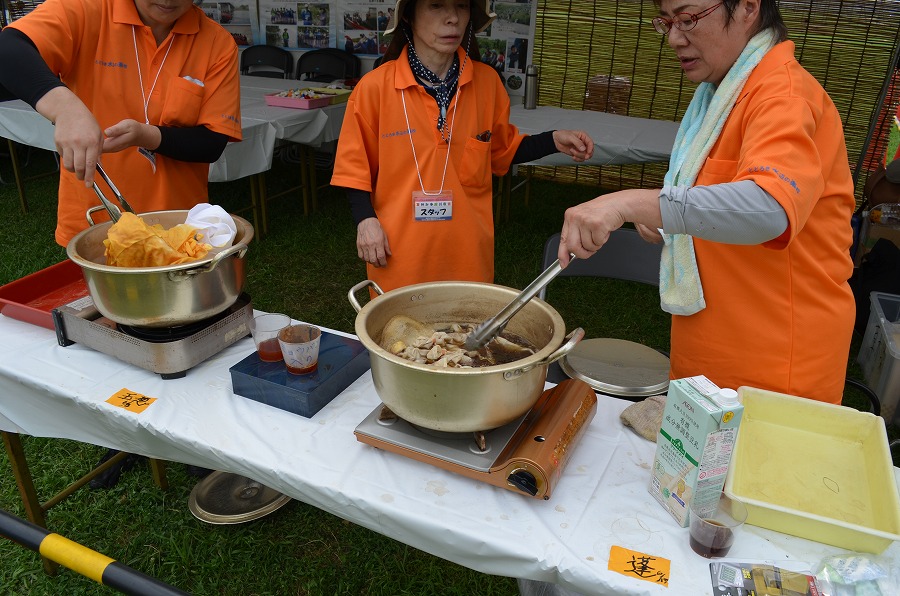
602 499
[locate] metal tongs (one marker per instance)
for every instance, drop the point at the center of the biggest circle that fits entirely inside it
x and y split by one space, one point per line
114 212
494 326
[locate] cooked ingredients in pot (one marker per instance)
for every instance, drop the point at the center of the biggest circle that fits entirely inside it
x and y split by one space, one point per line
132 243
443 345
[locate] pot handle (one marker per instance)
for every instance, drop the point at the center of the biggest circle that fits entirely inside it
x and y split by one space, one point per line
239 249
366 282
572 340
92 210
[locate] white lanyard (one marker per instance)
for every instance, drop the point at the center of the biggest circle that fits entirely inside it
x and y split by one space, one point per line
449 140
145 98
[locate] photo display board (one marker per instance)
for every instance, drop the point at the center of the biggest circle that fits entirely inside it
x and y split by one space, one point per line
358 27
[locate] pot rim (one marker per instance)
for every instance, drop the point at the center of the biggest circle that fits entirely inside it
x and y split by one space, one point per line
242 224
532 359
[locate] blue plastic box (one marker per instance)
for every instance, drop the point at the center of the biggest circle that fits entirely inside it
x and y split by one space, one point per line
342 360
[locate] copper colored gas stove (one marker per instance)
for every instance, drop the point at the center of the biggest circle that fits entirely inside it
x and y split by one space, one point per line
168 351
525 456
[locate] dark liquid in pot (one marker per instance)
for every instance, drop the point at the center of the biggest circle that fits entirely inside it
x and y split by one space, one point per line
495 353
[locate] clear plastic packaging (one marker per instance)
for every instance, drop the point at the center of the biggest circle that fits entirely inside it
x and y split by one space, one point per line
886 214
857 574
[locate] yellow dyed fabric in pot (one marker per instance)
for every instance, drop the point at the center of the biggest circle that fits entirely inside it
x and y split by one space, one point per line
132 243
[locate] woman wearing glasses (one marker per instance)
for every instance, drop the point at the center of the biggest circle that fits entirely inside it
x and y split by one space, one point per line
754 212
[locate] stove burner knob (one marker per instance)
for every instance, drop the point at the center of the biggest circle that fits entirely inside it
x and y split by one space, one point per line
524 481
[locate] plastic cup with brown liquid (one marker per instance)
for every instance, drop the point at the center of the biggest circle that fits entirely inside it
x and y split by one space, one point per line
713 526
300 348
264 328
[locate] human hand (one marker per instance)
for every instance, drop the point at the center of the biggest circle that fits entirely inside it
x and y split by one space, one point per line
649 234
575 143
587 226
372 243
130 133
77 135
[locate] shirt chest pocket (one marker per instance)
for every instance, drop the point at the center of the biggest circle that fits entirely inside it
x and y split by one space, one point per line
717 171
475 169
182 104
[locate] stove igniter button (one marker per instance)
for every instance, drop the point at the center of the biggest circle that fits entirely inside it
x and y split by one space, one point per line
524 481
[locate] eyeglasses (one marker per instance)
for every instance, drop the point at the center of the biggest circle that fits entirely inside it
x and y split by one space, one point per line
682 21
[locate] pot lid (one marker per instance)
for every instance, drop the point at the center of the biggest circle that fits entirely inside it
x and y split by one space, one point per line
225 498
618 367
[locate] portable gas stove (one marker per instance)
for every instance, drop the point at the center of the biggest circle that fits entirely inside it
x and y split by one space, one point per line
169 351
526 455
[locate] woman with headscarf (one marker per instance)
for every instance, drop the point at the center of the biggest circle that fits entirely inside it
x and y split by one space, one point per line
421 136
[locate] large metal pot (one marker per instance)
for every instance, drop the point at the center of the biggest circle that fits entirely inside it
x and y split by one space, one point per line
161 296
460 399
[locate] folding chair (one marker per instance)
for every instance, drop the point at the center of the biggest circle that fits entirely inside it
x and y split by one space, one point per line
267 61
325 65
625 256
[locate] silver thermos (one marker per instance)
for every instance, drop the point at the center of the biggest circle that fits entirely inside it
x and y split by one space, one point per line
531 86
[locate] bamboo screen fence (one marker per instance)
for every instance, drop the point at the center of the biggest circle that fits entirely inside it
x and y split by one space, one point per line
606 56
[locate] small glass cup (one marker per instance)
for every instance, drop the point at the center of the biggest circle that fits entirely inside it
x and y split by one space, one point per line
264 329
300 347
713 525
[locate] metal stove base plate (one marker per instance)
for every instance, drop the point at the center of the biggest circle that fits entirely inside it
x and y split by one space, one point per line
457 448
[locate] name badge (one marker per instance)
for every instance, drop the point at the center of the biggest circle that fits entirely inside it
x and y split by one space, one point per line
433 207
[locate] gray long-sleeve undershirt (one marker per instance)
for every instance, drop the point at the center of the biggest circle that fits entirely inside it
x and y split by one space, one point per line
732 213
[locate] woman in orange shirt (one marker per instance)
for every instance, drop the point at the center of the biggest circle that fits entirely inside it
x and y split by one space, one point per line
421 136
149 88
755 210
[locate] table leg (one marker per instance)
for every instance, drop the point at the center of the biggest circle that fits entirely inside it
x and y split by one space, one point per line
498 199
313 185
304 177
17 173
34 509
258 199
22 474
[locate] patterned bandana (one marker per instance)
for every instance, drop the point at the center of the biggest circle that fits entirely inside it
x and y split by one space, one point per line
441 90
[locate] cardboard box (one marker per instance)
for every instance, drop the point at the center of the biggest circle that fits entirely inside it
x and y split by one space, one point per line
694 446
815 470
342 360
879 353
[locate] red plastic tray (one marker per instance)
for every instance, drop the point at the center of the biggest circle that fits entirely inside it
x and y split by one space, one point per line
32 298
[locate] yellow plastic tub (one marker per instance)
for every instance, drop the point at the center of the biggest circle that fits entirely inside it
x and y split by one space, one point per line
815 470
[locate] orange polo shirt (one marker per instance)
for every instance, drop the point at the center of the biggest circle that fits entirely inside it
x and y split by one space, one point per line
375 154
92 45
779 315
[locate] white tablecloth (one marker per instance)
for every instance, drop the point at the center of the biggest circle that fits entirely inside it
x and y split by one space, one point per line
617 139
601 500
261 125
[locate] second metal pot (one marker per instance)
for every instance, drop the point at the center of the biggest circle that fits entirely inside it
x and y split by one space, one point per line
161 296
460 399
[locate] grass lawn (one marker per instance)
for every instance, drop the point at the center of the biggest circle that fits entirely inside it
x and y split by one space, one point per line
303 268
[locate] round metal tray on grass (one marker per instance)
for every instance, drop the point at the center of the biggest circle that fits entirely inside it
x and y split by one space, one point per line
225 498
618 367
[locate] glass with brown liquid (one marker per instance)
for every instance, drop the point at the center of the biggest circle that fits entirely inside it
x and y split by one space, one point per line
712 527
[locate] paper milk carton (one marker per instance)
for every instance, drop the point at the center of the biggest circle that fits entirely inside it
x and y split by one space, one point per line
694 445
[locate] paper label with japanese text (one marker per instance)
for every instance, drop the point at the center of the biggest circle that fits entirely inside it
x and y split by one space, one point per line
639 565
130 400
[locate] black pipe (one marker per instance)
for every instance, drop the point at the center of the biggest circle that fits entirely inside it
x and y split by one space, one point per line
83 560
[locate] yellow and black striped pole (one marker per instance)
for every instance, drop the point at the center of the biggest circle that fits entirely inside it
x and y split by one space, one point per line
81 559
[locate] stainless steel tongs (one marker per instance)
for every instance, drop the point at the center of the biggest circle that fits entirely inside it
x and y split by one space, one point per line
114 212
492 327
